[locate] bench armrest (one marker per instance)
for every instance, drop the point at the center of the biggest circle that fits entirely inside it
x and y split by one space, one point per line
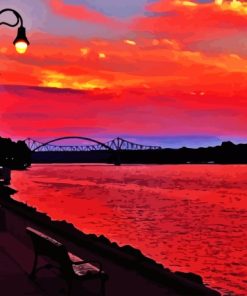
89 261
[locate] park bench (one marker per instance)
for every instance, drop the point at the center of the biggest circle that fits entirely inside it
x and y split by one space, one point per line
70 266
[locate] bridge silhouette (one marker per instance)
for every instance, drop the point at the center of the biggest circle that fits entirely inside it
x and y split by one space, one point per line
117 144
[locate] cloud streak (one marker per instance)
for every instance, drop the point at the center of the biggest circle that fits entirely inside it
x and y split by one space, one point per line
47 113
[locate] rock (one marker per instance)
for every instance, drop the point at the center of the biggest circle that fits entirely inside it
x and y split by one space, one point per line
190 276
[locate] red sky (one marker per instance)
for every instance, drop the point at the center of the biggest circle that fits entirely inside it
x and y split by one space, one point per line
156 70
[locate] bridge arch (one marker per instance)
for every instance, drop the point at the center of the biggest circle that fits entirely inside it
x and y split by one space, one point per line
114 152
80 138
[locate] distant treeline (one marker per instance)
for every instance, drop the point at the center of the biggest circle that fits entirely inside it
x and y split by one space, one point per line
14 155
226 153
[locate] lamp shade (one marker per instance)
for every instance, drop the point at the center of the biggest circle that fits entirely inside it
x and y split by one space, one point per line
21 42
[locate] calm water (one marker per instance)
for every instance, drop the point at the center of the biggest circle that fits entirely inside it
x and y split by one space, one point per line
187 217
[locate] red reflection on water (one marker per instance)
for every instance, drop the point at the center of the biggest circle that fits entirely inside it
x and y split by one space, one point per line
187 217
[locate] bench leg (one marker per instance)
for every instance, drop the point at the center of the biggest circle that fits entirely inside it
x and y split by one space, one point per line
32 274
69 284
103 287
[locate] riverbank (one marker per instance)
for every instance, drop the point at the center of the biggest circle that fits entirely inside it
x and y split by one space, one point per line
130 272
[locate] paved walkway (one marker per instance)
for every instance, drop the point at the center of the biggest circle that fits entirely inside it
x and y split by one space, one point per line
16 262
13 278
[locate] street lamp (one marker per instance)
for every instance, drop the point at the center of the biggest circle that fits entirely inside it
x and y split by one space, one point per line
21 42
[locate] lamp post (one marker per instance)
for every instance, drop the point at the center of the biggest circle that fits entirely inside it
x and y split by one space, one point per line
21 42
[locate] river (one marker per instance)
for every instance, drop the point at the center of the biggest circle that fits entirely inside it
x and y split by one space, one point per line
187 217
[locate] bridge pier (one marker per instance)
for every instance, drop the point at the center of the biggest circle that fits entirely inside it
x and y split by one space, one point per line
117 159
118 163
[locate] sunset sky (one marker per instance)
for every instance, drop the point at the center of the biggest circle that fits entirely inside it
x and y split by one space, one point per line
164 72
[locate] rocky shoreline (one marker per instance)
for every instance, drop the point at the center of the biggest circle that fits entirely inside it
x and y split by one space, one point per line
19 215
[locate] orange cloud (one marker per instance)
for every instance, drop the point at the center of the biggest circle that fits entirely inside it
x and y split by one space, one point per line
164 64
80 12
234 5
188 21
158 62
130 42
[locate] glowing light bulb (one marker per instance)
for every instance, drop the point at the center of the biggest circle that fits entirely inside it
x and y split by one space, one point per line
21 47
21 42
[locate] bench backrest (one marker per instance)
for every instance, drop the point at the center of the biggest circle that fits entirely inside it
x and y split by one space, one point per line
47 246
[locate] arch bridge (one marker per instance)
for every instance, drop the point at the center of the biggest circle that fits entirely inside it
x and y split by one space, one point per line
116 144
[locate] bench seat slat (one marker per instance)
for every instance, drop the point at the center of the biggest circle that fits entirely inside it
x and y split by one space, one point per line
74 258
39 234
86 269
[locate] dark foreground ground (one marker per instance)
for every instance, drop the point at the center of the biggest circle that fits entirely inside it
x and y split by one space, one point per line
130 273
16 262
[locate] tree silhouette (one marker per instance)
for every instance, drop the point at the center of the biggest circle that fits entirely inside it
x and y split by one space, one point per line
14 155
